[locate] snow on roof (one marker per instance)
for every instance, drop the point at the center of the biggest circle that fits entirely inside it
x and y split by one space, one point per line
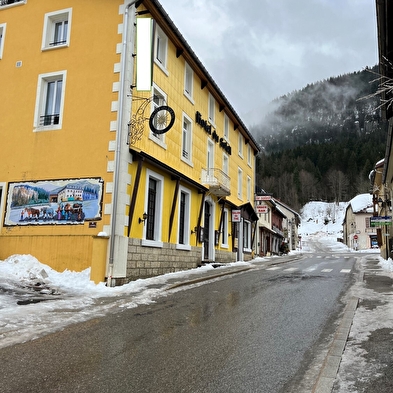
361 202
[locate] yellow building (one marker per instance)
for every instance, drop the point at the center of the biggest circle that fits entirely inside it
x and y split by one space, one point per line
106 167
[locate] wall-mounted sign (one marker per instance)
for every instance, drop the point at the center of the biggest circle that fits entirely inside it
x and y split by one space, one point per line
263 197
54 202
236 215
261 209
209 130
380 221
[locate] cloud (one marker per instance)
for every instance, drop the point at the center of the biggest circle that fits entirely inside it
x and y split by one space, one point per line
258 50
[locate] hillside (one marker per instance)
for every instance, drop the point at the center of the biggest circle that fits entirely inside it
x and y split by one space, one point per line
320 143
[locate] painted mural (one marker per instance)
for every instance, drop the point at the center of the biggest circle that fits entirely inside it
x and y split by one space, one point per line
54 202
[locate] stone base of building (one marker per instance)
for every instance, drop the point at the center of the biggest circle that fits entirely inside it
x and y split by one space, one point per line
145 262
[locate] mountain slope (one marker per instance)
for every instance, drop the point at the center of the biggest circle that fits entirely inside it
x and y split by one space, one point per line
321 143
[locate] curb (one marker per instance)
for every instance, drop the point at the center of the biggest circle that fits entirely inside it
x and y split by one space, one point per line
331 364
206 278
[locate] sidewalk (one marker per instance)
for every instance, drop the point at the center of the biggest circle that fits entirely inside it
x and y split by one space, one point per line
360 359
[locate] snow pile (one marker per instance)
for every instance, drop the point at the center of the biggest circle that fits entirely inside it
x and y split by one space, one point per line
322 218
69 297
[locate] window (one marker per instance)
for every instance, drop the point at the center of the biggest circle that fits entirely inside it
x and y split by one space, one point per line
226 127
241 142
188 81
249 155
248 188
187 139
247 235
56 29
153 209
159 99
50 101
4 3
161 48
212 109
239 183
2 35
224 229
184 220
225 164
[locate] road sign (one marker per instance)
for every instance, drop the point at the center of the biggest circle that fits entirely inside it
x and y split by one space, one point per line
380 221
356 237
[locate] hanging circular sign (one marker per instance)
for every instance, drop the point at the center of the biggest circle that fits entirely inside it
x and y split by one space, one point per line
162 119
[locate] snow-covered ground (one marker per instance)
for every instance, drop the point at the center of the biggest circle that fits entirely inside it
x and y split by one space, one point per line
70 297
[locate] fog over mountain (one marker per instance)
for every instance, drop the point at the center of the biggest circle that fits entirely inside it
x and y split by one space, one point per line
320 143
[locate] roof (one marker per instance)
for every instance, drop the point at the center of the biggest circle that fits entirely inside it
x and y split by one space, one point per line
360 203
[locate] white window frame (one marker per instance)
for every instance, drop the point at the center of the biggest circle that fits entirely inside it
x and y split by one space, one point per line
241 143
161 49
16 2
212 110
50 21
225 163
186 148
189 82
2 38
239 183
41 97
247 235
157 242
249 155
226 127
224 229
248 188
187 231
156 102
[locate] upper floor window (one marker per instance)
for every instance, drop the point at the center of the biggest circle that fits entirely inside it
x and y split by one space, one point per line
239 183
57 29
249 155
188 81
2 35
212 109
50 101
4 3
248 188
187 139
241 143
226 127
225 164
161 48
159 99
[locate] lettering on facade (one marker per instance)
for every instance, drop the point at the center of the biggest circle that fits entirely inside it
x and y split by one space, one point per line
208 129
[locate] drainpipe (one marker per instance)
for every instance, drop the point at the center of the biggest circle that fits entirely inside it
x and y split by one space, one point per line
118 143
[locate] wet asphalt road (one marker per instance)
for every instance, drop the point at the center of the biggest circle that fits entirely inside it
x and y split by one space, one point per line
256 331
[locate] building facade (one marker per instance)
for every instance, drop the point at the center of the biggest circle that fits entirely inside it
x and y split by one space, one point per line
358 231
277 227
383 184
120 152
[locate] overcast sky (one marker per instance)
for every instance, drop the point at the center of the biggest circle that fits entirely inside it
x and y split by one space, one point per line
258 50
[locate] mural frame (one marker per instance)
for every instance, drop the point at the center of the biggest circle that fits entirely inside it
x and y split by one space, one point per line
54 202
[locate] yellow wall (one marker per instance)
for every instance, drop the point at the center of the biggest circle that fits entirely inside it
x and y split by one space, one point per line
80 148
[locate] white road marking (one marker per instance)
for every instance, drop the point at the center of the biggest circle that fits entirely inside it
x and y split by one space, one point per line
310 269
345 271
273 268
290 269
326 270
